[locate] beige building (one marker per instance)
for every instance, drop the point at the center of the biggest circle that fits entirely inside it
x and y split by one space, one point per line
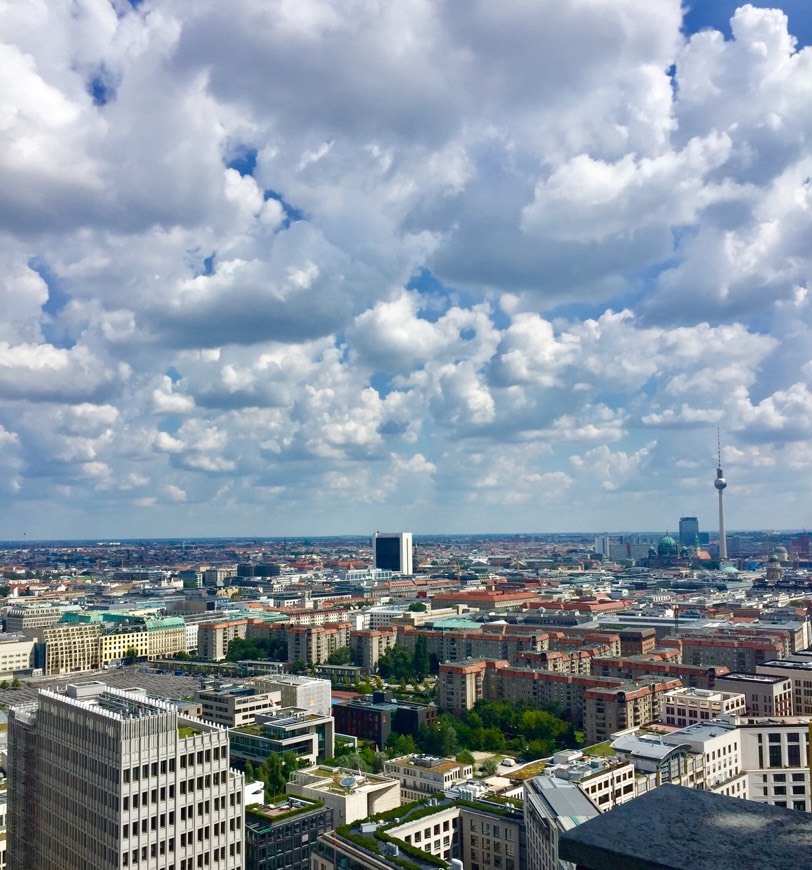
800 675
231 705
369 645
72 648
607 782
628 705
119 780
213 638
16 655
314 644
686 706
764 695
29 620
422 775
350 795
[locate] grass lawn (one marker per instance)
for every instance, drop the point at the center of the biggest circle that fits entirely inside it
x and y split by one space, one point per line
604 749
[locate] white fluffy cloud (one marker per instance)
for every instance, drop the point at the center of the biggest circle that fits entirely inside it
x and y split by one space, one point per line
301 267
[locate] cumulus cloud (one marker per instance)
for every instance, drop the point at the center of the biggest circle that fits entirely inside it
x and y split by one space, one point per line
451 266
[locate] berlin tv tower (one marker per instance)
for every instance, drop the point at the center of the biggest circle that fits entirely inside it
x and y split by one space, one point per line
720 483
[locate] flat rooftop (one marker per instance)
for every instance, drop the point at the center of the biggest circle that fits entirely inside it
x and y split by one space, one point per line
672 827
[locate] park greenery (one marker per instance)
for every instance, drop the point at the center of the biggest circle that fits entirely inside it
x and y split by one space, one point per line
498 726
398 664
257 649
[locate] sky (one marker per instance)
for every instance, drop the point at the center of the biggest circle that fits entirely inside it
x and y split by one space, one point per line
311 267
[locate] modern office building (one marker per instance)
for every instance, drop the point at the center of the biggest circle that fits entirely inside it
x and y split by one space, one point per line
375 718
392 551
552 806
279 836
688 531
310 736
106 778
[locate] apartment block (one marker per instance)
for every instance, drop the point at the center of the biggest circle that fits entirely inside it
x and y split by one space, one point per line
489 642
213 638
314 644
738 651
626 706
29 620
109 779
423 775
633 667
606 781
716 748
369 645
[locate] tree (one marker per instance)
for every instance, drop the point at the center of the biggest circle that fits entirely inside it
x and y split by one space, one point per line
298 667
274 777
400 744
396 664
341 656
421 664
418 607
489 766
465 757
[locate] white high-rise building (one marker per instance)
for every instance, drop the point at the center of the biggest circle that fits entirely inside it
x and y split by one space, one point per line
109 779
392 551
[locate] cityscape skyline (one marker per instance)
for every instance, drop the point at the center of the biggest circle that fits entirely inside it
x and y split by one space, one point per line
305 267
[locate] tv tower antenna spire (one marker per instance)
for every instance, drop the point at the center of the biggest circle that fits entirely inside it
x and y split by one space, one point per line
720 483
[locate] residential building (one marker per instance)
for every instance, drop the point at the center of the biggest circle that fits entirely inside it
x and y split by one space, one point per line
213 638
314 644
606 781
633 667
280 836
105 778
422 775
369 645
687 705
630 704
551 807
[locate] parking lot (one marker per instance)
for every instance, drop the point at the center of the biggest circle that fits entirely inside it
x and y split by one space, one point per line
158 685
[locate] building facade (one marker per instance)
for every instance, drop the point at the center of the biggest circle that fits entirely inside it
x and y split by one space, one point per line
110 779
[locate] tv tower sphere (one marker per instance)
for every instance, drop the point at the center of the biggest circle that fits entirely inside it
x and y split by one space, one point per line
720 483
